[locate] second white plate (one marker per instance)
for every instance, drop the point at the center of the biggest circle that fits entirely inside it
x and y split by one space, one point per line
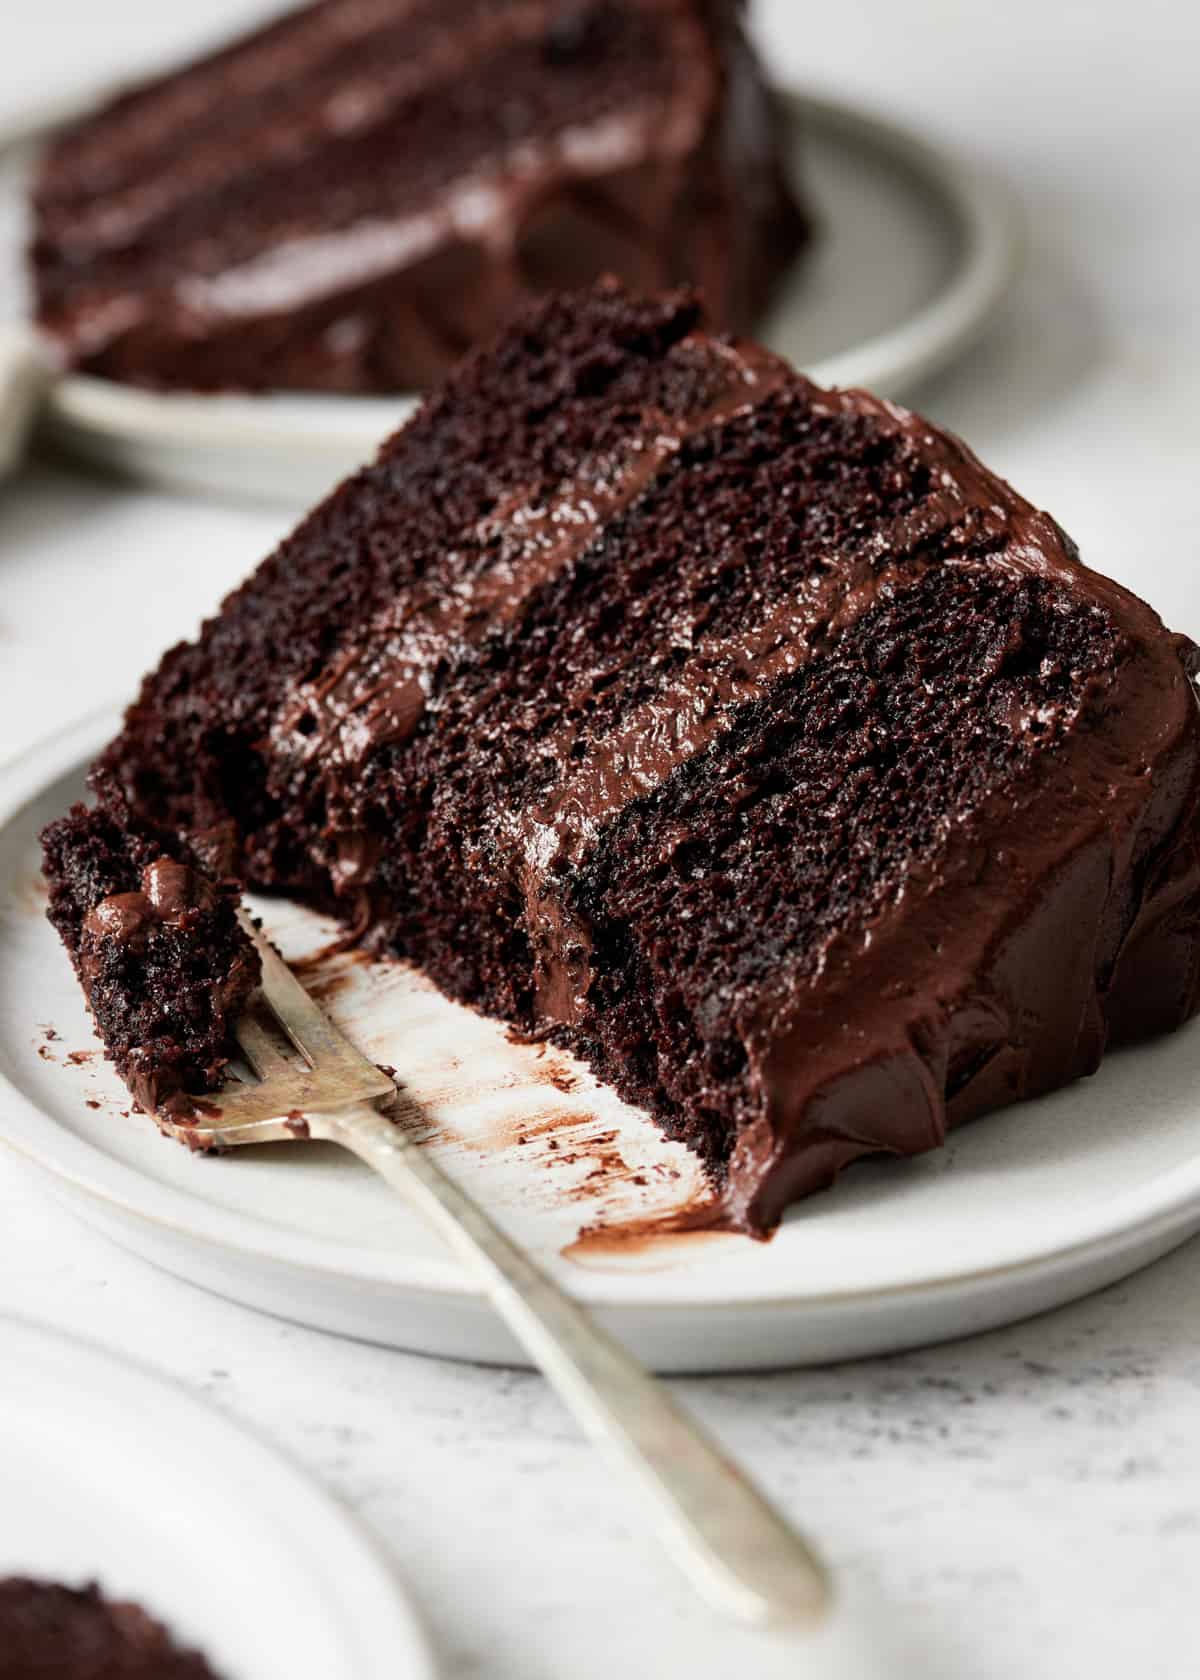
1023 1210
112 1474
914 249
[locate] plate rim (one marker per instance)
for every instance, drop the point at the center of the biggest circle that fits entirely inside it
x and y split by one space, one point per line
982 208
1165 1203
383 1599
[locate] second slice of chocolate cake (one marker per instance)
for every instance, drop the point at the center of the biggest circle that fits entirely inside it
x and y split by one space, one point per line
350 197
751 739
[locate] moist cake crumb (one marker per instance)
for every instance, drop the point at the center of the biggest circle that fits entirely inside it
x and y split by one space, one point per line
53 1632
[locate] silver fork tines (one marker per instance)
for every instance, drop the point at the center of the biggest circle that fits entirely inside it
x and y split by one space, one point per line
329 1074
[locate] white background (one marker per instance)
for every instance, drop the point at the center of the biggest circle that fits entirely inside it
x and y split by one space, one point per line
1021 1506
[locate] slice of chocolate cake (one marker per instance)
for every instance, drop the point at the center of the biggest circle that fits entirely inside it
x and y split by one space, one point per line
52 1632
350 197
156 944
753 740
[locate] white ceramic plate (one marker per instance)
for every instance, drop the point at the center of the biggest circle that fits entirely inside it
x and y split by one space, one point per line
1022 1211
199 1522
914 250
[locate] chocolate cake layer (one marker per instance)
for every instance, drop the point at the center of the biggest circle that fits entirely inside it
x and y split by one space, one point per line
753 740
349 198
52 1632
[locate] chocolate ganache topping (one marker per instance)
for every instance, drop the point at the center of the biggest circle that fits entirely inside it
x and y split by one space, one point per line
171 894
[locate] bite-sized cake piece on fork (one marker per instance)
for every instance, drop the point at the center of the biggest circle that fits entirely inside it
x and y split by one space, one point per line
163 963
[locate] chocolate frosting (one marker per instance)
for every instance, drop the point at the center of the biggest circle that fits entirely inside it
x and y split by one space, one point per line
169 892
1076 924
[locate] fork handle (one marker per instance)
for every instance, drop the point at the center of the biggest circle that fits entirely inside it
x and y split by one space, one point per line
736 1548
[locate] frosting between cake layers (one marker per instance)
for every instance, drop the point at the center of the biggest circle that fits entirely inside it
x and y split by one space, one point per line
345 103
485 209
970 983
375 694
695 703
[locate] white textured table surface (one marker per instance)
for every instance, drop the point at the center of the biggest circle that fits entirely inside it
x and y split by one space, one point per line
1027 1504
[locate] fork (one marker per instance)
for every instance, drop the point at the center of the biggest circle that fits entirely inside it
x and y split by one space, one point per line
736 1549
